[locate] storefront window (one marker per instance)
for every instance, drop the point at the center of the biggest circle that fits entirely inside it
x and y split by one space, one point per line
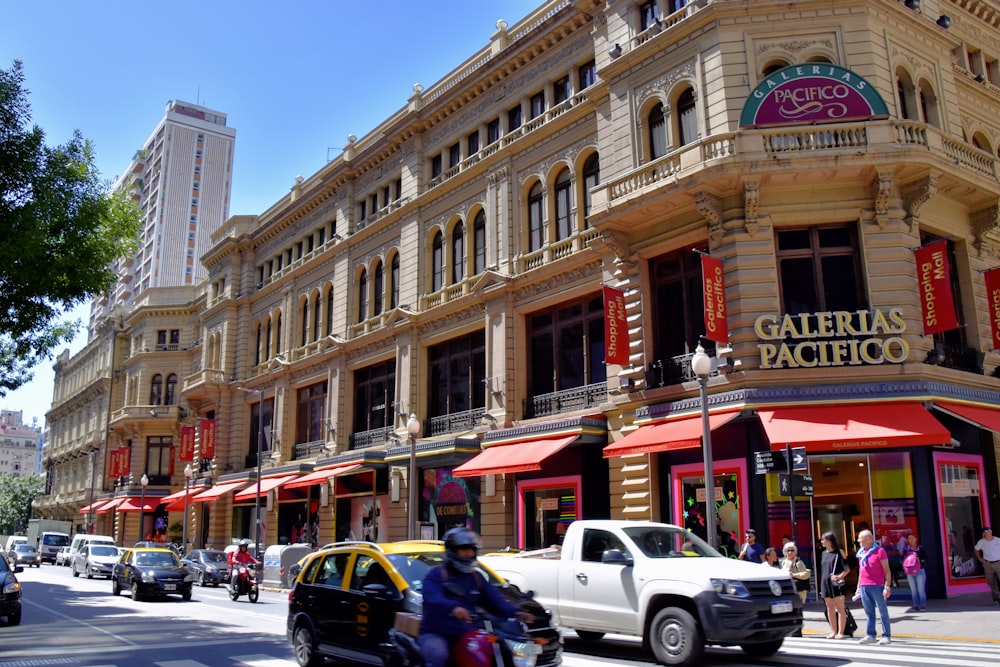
450 502
730 490
547 507
959 478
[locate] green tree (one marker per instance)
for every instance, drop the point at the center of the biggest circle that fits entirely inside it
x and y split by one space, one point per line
62 227
16 495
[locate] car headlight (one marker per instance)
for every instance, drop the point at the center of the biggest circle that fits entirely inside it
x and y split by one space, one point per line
731 587
148 577
11 587
524 652
189 577
211 569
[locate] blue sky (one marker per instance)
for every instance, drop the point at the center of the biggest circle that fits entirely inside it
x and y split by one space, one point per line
294 77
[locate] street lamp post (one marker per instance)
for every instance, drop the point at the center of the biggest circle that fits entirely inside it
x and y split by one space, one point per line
188 472
701 365
260 440
143 483
413 428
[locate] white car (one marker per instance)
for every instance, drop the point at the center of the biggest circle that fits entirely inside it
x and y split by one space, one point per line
95 560
64 556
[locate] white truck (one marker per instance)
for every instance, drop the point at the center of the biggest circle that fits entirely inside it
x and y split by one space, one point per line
658 582
49 536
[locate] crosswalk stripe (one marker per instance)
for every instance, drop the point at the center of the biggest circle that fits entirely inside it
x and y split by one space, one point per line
260 660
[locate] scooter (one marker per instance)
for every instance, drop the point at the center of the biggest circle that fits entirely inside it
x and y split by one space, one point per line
496 643
244 581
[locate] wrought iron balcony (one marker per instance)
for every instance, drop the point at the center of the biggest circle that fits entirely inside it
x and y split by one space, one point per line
454 422
566 400
372 438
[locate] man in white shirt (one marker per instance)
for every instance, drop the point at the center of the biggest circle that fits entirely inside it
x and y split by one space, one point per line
988 553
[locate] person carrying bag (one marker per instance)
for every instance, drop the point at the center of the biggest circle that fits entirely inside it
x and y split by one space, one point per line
795 567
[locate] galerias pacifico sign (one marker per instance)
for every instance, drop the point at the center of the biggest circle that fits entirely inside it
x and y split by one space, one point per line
812 93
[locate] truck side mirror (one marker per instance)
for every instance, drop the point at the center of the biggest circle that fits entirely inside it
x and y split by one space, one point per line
616 557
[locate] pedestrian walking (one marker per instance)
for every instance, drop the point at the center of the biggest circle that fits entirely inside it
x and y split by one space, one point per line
988 553
832 587
797 569
915 567
874 585
751 551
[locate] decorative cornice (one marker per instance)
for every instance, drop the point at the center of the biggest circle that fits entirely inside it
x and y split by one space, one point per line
578 424
710 208
555 283
916 194
984 222
883 188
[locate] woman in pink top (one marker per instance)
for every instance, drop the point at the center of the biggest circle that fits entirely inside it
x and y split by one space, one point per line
874 582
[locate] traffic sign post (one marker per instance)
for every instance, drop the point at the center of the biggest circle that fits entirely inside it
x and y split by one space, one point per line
795 486
765 462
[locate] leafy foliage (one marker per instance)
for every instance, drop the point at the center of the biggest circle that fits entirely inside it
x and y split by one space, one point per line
63 229
16 495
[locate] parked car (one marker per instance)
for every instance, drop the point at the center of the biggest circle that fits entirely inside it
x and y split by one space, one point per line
95 560
346 599
209 566
64 556
147 572
10 592
25 555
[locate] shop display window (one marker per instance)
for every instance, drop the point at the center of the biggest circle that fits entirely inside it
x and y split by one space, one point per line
546 508
962 512
730 487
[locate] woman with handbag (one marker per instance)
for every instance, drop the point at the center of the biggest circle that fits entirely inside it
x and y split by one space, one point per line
832 587
795 567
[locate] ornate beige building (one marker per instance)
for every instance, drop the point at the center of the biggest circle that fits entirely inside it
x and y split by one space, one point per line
450 265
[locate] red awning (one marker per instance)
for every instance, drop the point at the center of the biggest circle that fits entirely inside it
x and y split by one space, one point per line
988 418
132 505
522 456
667 436
852 427
110 505
217 491
266 484
319 476
179 496
93 506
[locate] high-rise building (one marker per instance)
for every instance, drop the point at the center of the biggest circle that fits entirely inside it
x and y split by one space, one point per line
19 444
181 180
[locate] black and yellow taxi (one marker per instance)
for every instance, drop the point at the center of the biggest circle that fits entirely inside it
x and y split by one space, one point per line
151 572
10 592
347 598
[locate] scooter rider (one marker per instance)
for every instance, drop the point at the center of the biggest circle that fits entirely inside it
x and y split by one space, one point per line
452 592
242 555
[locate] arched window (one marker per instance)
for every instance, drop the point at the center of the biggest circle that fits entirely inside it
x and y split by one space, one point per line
591 179
379 298
394 277
657 133
329 311
906 95
437 262
363 296
458 253
687 119
156 390
536 236
277 334
981 142
267 341
479 243
563 202
305 322
170 398
317 313
928 104
260 332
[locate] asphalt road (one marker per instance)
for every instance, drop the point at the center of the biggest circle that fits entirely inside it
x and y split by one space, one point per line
77 622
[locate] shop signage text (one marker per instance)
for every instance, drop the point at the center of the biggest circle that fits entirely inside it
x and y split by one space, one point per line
835 338
615 327
714 292
934 274
992 278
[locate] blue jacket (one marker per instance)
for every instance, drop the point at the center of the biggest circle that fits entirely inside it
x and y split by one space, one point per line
443 590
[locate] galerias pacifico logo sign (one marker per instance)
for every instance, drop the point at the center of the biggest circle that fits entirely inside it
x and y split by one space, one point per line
811 93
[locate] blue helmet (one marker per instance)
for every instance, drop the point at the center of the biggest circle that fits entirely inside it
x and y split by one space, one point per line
460 538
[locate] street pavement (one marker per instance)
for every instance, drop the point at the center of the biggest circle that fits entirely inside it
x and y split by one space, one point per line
971 617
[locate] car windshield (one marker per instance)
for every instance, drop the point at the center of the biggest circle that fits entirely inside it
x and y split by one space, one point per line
669 542
104 551
24 548
213 557
415 566
156 559
55 540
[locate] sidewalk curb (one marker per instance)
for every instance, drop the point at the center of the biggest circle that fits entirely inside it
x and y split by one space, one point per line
895 635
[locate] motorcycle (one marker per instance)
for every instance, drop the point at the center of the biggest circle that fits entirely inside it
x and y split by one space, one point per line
495 643
244 582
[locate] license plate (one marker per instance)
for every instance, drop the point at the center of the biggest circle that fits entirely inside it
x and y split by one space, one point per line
781 607
173 587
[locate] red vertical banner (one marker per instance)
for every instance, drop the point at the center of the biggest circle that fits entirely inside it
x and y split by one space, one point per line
124 461
112 463
934 275
187 443
714 289
208 438
992 278
615 327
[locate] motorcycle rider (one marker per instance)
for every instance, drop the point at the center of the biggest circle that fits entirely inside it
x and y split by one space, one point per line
452 592
236 558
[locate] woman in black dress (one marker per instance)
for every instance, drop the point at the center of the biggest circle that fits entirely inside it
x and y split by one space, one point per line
832 587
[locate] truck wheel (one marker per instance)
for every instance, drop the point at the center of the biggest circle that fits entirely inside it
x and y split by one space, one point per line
763 649
674 637
589 635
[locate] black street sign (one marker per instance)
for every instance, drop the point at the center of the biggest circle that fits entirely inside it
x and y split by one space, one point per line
795 485
765 462
799 460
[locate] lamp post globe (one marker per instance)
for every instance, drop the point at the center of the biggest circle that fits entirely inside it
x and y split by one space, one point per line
701 366
413 428
188 472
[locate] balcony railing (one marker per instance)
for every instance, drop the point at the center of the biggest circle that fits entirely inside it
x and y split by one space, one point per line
566 400
454 422
954 355
674 370
373 438
305 450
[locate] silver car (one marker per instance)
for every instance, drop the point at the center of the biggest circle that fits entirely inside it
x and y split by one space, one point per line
24 555
64 556
95 560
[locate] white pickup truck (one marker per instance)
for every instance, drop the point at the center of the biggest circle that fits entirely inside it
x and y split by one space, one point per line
658 582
